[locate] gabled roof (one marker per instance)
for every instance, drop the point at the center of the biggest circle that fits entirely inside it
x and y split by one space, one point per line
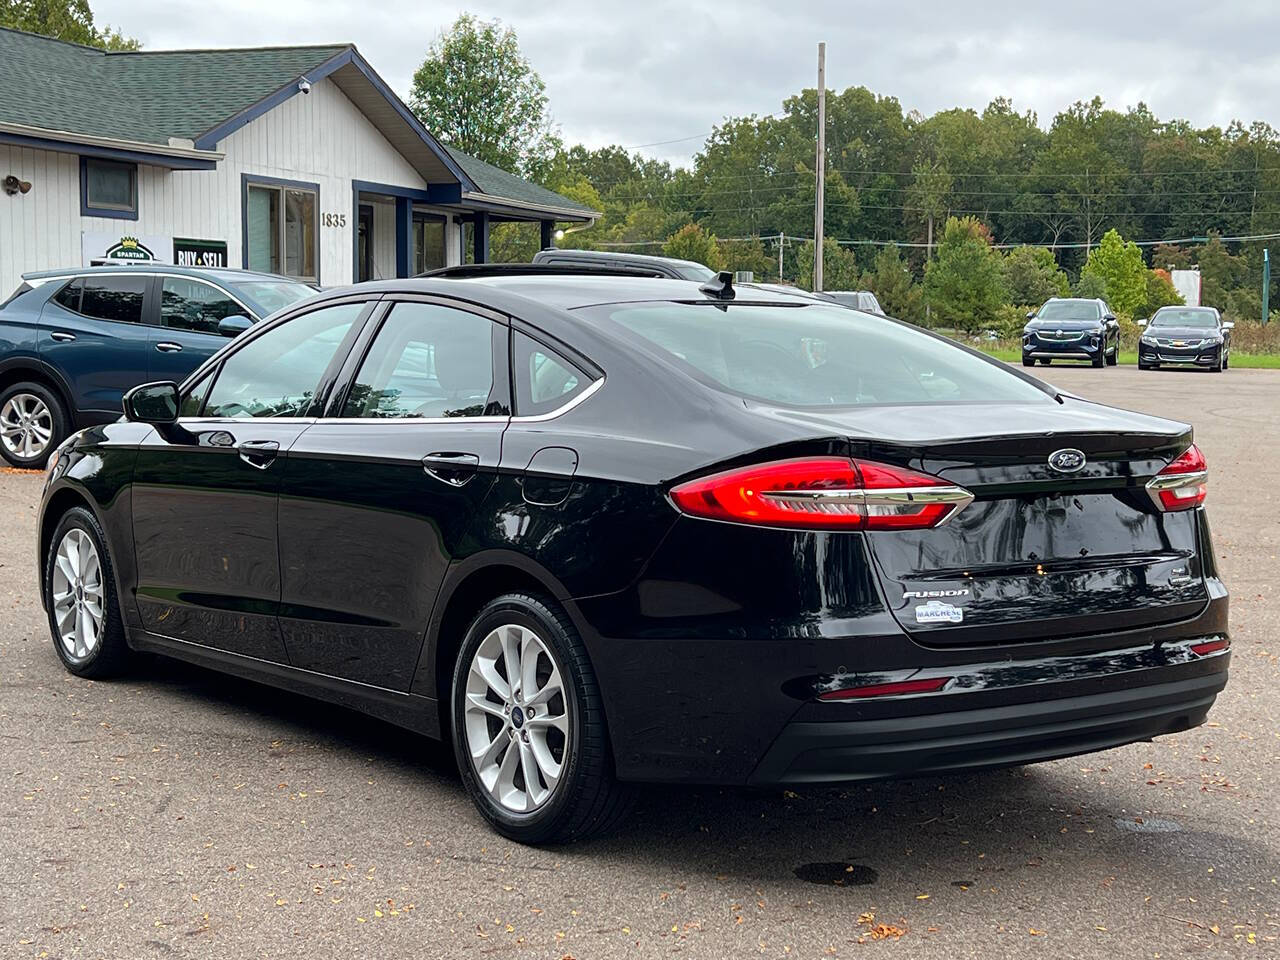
174 107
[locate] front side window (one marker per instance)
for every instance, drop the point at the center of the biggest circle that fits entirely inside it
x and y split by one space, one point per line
191 305
191 401
545 380
814 355
114 298
427 361
276 374
281 225
110 188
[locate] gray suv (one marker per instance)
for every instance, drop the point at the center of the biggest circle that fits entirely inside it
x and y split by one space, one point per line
667 266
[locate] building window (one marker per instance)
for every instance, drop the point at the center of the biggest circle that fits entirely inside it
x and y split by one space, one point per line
108 188
428 242
281 224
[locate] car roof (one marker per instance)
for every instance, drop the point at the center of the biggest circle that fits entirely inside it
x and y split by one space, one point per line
225 274
557 253
567 291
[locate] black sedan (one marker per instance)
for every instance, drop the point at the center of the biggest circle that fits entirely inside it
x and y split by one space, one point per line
597 530
1071 328
1187 337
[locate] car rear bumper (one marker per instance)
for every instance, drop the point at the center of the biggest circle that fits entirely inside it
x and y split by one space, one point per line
950 740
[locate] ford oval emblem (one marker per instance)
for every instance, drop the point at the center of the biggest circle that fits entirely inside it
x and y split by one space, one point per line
1068 460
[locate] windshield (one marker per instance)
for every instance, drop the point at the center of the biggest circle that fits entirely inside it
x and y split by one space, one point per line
1184 317
272 295
815 355
1068 310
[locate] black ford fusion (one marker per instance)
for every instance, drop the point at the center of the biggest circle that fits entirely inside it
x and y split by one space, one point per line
596 530
1071 328
1186 336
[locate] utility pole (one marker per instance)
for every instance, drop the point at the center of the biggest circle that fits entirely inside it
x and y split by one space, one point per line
821 167
1266 285
782 239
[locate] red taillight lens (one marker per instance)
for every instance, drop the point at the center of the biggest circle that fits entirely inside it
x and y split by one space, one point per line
823 493
1182 484
1209 646
930 685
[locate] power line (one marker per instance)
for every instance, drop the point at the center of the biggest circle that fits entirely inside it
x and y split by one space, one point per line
774 237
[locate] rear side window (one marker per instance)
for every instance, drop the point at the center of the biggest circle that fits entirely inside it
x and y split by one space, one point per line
427 361
69 296
545 380
114 298
816 355
276 374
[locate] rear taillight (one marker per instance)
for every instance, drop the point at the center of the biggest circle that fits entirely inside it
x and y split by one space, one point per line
1210 646
1181 485
823 493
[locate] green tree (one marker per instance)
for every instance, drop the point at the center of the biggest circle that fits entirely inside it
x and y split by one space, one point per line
839 266
1032 276
477 91
964 284
1220 273
691 242
890 280
749 255
1090 286
1119 265
70 20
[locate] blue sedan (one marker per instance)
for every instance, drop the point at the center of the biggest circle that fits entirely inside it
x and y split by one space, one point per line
73 341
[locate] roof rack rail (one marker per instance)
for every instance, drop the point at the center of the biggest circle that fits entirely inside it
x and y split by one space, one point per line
467 270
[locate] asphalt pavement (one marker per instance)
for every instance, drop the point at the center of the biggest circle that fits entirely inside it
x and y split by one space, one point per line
180 813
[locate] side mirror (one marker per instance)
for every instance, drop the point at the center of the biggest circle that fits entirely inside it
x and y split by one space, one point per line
1031 314
152 403
1228 324
234 326
1110 318
1142 322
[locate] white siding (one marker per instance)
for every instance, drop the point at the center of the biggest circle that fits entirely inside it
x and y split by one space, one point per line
320 138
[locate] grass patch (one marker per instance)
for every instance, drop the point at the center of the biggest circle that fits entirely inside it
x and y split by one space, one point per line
1257 361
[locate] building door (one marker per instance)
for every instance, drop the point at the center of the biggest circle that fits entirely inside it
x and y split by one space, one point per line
364 244
428 242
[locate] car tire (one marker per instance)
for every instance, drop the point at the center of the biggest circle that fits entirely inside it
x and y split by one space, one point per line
33 421
95 645
1044 362
585 798
1144 366
1101 358
1026 362
1113 358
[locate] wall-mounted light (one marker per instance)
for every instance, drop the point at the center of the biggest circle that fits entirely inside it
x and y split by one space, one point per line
304 85
13 185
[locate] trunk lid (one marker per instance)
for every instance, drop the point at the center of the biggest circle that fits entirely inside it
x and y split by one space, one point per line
1040 553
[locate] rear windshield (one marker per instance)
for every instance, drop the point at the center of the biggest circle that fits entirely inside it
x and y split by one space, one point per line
816 355
1068 310
1184 317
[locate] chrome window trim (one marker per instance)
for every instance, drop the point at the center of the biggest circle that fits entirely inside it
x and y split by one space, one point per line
387 420
564 407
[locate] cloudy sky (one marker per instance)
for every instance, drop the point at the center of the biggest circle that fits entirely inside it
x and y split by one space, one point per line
641 73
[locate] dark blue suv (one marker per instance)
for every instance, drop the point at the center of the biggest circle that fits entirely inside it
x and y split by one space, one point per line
73 341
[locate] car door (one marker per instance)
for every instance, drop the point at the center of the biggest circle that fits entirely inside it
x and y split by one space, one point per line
187 334
205 489
379 495
91 331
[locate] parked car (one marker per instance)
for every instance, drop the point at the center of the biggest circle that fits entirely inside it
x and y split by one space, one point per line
73 341
596 530
863 300
1185 336
666 266
1071 328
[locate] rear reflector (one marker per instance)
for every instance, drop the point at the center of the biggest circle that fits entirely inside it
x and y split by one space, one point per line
930 685
823 493
1209 646
1182 484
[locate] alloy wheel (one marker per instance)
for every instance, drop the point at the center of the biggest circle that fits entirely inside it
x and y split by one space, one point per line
516 718
79 595
26 425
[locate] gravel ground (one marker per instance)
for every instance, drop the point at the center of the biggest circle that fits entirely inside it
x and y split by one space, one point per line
181 813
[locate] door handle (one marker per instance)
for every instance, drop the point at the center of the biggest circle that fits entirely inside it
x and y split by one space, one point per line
62 336
452 468
258 453
167 347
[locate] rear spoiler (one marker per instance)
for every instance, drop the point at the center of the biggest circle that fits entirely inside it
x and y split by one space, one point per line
470 270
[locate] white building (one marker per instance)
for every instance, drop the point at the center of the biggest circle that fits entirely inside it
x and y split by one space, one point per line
293 160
